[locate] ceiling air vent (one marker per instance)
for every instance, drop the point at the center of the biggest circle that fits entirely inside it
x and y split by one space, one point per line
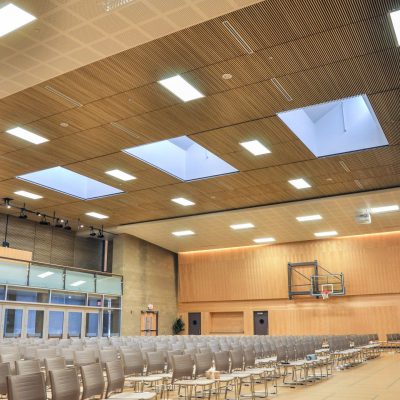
238 37
70 100
110 5
281 89
126 130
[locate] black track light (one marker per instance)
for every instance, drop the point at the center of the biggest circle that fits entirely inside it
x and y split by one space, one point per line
92 232
66 226
7 202
100 234
44 221
22 214
58 223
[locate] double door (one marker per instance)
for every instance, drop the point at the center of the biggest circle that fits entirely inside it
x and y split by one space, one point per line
46 322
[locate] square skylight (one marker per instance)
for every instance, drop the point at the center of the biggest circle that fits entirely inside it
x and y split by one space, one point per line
395 19
336 127
68 182
12 18
182 158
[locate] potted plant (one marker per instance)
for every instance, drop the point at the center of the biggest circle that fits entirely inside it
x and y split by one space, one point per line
178 326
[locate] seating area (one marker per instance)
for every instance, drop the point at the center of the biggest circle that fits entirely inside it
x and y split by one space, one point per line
143 368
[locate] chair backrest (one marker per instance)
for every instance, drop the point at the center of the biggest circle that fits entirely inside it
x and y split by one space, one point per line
203 362
133 363
26 387
5 370
221 359
115 377
46 353
236 359
169 357
52 364
84 357
10 358
249 358
64 384
92 381
155 362
9 350
108 355
26 367
68 354
182 367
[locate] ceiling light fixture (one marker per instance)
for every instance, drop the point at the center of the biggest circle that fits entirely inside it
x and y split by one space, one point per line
123 176
30 195
183 233
183 202
325 234
96 215
27 135
299 183
384 209
44 221
246 225
306 218
255 147
92 232
58 223
101 233
7 202
45 274
395 19
22 214
264 240
12 18
66 226
181 88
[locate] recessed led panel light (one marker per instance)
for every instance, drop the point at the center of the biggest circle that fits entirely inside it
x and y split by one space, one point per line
30 195
264 240
116 173
306 218
324 234
181 88
77 283
69 182
299 183
183 233
27 135
45 274
246 225
12 18
183 202
96 215
378 210
395 18
255 147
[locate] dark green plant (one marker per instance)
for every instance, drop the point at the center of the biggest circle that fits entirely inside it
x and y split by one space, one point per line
178 326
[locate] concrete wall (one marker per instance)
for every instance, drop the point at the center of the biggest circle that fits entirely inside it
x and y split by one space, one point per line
150 276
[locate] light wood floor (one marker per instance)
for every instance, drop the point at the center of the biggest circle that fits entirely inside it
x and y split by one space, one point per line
377 379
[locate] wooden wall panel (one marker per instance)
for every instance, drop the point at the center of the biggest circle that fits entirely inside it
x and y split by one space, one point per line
371 265
227 322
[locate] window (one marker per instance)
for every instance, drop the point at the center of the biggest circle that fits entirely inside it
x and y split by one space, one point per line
79 281
73 299
92 324
94 301
2 292
56 324
13 272
12 323
112 302
46 277
27 296
74 324
111 323
35 324
108 284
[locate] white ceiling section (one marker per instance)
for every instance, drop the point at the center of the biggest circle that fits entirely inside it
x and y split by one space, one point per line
213 230
69 34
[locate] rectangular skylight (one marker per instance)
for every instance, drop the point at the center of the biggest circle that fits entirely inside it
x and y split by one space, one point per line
306 218
181 88
117 173
324 234
45 274
27 135
378 210
77 283
255 147
264 240
96 215
182 158
183 233
12 18
183 202
395 19
246 225
30 195
68 182
336 127
299 183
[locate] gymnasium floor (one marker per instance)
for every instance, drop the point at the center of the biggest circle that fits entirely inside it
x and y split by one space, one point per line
378 379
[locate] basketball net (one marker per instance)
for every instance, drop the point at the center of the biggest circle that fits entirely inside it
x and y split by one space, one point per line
325 294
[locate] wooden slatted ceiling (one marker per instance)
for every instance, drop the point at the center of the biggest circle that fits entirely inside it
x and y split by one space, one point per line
319 52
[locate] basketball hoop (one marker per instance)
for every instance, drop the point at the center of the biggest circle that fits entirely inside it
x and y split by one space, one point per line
325 294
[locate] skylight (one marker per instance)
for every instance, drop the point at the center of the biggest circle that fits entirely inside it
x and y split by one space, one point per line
12 18
68 182
27 135
181 88
395 18
182 158
336 127
255 147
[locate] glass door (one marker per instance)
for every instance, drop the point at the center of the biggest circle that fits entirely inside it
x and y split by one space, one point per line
56 324
35 323
13 322
92 320
74 324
